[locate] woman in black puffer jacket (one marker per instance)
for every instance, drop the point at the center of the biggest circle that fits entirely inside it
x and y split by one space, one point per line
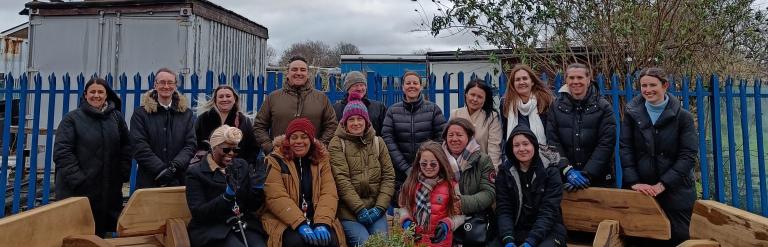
658 148
93 154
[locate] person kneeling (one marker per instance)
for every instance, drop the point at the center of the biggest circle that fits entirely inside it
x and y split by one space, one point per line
223 195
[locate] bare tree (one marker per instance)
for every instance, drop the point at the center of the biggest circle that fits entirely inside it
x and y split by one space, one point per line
319 53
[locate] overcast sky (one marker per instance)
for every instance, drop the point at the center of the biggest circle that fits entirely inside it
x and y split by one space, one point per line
375 26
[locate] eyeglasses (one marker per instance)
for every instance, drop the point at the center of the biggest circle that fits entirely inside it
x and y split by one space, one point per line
235 150
432 164
165 83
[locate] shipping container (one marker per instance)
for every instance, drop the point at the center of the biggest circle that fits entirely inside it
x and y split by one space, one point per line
102 37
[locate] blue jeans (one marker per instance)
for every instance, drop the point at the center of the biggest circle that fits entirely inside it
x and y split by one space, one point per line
357 233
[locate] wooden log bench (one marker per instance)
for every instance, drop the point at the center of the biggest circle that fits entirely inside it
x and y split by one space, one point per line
48 225
152 217
612 214
717 224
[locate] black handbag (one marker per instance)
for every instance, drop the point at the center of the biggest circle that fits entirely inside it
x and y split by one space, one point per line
474 231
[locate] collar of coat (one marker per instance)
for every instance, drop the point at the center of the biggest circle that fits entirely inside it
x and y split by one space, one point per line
319 152
413 106
297 90
636 109
365 139
150 103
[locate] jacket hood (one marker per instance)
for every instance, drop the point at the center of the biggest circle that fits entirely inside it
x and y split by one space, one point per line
524 130
319 152
150 104
366 138
112 97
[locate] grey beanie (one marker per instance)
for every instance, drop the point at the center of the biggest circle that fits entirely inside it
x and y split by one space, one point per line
352 78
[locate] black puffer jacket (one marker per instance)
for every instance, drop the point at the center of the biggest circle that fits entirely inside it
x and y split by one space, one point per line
584 131
663 152
406 126
541 216
161 136
210 210
210 120
92 154
376 111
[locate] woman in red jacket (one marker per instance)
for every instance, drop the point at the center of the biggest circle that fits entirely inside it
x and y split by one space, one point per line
430 203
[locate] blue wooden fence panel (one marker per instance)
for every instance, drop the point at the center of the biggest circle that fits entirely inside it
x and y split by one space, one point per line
254 88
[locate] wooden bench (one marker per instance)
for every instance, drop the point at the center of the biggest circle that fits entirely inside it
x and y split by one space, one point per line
717 224
152 217
48 225
613 213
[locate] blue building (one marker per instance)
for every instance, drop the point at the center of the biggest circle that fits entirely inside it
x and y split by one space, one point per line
385 65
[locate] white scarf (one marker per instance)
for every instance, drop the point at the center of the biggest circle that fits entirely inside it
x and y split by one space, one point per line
531 110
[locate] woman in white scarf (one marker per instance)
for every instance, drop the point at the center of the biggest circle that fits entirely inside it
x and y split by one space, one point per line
526 102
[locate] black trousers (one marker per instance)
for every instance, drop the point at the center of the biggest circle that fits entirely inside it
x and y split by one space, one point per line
292 238
255 239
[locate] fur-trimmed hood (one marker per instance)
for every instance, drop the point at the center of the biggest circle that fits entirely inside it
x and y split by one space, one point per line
319 152
149 102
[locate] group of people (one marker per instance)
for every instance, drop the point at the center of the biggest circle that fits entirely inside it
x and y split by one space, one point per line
331 173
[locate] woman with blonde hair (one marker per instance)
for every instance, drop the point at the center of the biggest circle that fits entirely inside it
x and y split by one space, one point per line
224 109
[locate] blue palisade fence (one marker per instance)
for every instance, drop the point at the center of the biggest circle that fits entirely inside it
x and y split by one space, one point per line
731 167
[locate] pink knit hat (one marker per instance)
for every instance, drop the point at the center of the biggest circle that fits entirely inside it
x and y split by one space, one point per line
355 107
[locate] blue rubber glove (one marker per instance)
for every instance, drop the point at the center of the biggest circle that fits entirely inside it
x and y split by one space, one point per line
307 234
576 178
441 231
407 224
510 245
526 244
364 216
322 235
375 214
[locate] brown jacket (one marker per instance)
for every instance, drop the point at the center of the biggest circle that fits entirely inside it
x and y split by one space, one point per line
364 175
284 105
282 195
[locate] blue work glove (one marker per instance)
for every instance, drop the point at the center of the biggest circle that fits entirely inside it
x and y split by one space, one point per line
576 178
526 244
322 235
307 234
510 245
407 224
441 231
364 216
375 214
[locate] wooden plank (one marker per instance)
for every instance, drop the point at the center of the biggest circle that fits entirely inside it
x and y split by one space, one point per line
85 241
608 235
728 225
699 243
48 225
148 209
143 241
176 233
638 215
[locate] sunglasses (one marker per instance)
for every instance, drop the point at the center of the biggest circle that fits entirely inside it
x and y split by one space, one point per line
432 164
235 150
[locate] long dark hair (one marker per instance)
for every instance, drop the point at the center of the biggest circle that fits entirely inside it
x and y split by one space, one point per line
111 95
489 102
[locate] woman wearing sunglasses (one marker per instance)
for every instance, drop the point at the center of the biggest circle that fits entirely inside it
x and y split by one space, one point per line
301 191
528 195
429 203
223 108
223 195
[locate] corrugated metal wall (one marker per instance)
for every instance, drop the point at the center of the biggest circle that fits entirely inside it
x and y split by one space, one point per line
13 55
224 49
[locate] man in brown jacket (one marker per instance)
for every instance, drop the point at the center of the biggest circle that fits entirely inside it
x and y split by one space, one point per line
296 99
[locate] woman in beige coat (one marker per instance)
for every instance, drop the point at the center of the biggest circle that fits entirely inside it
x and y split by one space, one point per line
480 112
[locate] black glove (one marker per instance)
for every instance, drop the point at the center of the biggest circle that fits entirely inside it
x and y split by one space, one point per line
175 166
166 177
